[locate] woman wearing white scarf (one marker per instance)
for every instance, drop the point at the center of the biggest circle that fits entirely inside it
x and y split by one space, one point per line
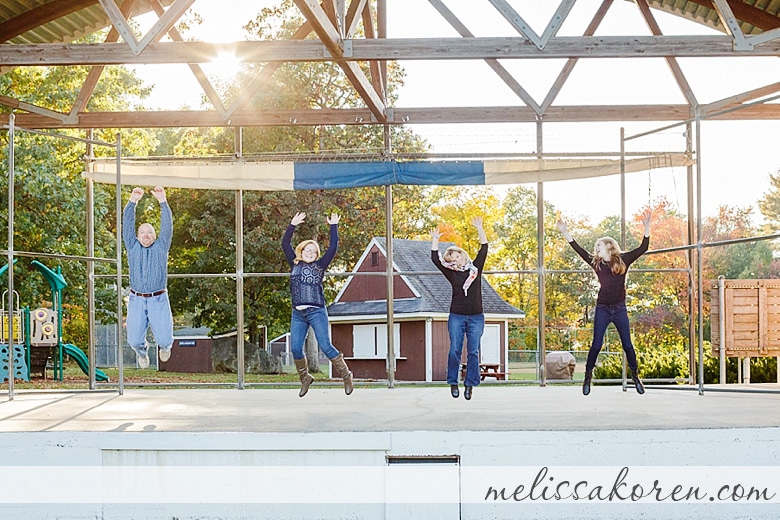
466 320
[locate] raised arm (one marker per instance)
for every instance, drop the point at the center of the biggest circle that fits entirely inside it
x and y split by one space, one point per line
333 245
477 223
166 217
435 236
289 253
128 218
563 228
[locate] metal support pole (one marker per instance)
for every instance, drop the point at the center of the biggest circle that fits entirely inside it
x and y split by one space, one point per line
542 347
722 329
624 368
238 141
11 166
91 349
690 255
119 316
699 259
389 273
240 287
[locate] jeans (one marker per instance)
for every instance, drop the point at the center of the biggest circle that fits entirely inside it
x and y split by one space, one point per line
606 314
317 318
470 327
143 313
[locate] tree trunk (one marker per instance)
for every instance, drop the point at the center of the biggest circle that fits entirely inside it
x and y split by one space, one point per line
311 350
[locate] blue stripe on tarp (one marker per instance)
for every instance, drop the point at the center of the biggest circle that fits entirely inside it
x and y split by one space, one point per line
318 176
442 173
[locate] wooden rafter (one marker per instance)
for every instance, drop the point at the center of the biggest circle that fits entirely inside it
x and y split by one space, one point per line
438 115
499 69
96 71
568 67
677 72
377 78
730 22
354 15
40 15
738 99
384 49
204 82
526 30
154 34
330 36
746 13
34 109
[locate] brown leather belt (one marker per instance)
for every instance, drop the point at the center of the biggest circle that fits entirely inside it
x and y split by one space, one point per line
146 294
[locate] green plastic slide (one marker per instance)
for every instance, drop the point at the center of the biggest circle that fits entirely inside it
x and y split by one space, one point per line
77 354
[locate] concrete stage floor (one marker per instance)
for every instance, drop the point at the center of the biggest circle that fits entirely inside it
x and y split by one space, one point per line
407 453
404 408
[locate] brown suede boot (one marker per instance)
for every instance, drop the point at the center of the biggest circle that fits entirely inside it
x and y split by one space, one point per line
342 370
304 375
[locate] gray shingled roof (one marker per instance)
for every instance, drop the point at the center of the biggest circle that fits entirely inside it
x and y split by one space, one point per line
434 289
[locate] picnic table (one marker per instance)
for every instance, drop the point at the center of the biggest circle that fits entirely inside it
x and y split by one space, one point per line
486 370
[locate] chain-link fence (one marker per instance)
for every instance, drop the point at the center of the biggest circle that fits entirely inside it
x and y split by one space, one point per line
525 357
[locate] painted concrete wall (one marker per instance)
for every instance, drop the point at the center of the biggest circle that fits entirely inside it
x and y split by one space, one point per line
349 475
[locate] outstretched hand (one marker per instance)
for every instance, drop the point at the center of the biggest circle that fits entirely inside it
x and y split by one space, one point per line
646 221
159 194
564 229
298 218
476 222
562 226
435 234
333 219
137 194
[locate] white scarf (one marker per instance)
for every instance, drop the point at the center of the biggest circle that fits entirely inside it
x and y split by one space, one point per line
473 272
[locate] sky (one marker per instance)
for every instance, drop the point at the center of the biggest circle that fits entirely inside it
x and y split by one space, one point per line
737 157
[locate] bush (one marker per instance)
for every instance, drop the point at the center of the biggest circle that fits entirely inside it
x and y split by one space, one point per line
667 362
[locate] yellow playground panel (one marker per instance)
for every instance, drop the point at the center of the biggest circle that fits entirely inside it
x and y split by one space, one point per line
18 332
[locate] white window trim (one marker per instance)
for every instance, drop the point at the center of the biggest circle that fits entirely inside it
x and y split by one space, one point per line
370 341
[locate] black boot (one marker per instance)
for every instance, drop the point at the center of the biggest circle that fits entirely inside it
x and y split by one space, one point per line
454 391
640 388
467 393
586 382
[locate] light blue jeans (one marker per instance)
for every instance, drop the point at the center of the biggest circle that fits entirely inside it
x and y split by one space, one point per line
317 318
143 313
470 327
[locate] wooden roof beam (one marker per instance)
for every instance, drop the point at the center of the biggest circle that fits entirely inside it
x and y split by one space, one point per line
154 34
677 72
747 13
330 36
499 69
40 15
34 109
523 28
568 67
93 76
354 15
362 116
56 54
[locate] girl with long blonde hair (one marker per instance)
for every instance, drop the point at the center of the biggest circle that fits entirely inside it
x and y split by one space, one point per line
308 300
611 266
